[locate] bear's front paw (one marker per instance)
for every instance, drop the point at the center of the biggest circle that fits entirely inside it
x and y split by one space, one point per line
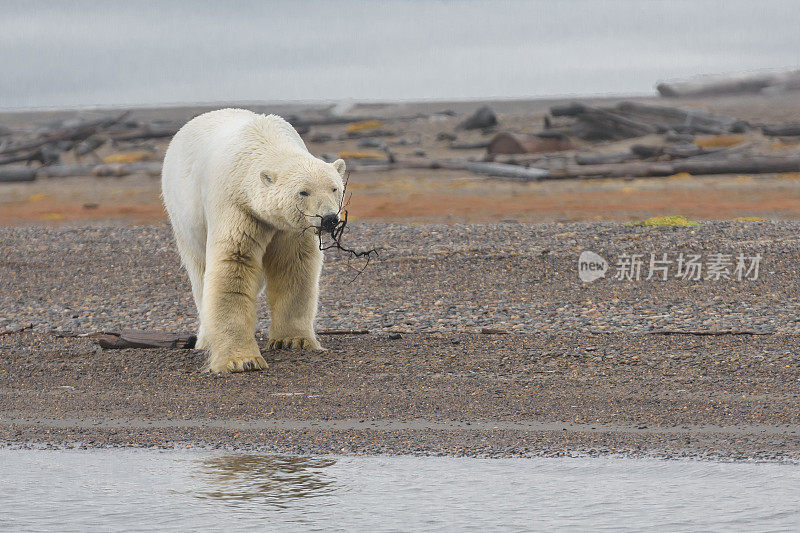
236 363
298 343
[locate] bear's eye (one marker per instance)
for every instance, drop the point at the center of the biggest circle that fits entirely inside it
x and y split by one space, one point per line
334 189
303 193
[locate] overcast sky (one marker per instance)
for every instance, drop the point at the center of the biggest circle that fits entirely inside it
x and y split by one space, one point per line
115 53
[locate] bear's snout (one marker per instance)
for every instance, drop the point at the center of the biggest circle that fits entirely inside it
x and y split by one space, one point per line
329 222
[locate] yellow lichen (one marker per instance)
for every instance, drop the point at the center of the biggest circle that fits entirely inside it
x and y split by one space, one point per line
360 155
780 145
719 141
672 220
364 125
128 157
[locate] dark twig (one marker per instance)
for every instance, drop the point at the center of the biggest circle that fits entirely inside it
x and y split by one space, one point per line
707 332
343 332
337 232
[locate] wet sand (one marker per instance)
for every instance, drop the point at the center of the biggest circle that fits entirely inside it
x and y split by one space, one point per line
727 398
583 369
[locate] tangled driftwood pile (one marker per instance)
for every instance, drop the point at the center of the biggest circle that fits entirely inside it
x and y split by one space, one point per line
28 153
41 149
576 140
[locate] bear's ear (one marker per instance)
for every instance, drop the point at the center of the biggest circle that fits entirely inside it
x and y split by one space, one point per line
266 177
339 166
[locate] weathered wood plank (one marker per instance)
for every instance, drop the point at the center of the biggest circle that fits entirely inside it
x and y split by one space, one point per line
739 84
15 174
132 338
781 130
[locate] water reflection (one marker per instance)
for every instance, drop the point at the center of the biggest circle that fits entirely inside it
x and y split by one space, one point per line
187 490
275 480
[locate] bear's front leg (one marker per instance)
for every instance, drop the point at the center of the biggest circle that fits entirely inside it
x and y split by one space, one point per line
232 281
292 267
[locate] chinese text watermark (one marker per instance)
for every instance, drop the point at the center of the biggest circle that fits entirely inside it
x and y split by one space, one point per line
664 266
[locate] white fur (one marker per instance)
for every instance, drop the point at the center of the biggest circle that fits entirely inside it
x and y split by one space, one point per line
231 184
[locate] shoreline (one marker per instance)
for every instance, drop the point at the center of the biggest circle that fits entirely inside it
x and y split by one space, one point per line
422 438
768 107
548 98
325 106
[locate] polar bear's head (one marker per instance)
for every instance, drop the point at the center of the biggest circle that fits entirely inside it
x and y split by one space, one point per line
301 192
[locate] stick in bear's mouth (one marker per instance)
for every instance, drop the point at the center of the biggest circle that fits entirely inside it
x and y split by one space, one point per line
336 233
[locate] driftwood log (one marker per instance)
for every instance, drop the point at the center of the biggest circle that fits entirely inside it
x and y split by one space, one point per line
89 146
13 174
708 166
105 169
741 84
500 170
604 159
77 132
781 130
132 338
148 131
49 154
469 146
682 120
595 123
632 119
303 123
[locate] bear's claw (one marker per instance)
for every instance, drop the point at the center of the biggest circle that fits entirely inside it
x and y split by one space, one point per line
238 364
297 343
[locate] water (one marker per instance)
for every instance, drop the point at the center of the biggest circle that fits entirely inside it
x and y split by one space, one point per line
96 52
153 490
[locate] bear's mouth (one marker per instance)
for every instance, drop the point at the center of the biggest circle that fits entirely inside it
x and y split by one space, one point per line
334 226
324 225
336 232
329 224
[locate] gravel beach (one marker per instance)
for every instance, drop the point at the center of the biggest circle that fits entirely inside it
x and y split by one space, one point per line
572 368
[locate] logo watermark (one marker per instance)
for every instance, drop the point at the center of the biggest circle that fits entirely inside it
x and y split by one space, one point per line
665 266
591 266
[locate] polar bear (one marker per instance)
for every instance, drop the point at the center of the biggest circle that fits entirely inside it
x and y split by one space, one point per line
246 200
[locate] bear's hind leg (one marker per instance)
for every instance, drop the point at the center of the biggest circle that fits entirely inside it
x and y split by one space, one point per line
197 270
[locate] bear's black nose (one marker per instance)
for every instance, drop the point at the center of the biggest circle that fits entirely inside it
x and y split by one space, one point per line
329 222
